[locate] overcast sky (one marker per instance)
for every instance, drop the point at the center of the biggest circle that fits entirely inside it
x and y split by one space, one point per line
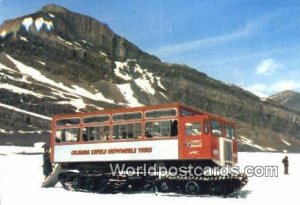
254 44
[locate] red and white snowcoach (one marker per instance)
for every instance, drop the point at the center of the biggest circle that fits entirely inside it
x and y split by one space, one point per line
157 133
167 134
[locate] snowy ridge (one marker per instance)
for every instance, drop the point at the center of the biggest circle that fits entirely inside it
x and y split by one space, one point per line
25 112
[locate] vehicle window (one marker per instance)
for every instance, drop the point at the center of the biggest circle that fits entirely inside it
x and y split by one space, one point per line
192 129
161 113
127 116
229 132
96 119
67 135
167 128
97 133
127 131
216 127
70 121
185 112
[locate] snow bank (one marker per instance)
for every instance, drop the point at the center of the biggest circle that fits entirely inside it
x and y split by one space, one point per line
21 178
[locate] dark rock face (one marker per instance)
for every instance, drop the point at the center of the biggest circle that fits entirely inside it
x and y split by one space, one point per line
80 64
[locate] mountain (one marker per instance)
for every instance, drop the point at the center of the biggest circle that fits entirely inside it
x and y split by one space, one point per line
57 61
288 98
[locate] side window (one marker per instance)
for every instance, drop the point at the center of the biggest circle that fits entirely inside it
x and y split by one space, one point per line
192 129
164 128
96 133
229 132
68 121
67 135
216 127
127 131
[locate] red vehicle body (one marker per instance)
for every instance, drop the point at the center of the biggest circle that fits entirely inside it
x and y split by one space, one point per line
158 133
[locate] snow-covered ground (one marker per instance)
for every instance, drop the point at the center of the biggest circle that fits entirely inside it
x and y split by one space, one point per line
21 177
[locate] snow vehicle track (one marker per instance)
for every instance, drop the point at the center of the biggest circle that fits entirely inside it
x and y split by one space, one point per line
189 185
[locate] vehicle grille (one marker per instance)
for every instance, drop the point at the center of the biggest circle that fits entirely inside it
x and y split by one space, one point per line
228 150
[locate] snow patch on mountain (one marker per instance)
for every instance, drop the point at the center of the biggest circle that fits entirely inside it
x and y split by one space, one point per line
163 95
271 149
24 111
22 38
42 63
3 131
65 41
78 103
246 141
145 85
285 142
19 90
22 79
128 95
159 83
3 34
6 68
146 79
94 96
102 53
27 22
38 76
119 70
39 22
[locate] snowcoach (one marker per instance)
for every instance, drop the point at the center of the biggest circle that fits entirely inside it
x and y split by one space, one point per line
87 145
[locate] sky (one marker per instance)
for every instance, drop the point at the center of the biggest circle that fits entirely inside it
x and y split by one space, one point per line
254 44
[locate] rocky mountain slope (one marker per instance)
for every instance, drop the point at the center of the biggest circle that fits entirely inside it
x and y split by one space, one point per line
288 98
57 61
